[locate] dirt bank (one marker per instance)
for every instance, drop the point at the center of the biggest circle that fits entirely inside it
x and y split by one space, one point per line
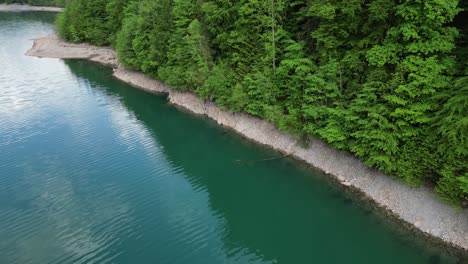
20 8
53 47
417 206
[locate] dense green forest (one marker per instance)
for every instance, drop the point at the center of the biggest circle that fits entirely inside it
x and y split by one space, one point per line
384 79
36 2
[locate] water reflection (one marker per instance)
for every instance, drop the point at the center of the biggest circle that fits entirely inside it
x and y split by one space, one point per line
94 171
272 211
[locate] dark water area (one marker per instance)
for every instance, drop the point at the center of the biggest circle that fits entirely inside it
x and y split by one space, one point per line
95 171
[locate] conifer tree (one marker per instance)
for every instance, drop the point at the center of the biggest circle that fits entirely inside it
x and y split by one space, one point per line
383 79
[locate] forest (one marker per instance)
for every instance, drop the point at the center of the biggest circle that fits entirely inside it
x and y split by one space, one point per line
60 3
386 80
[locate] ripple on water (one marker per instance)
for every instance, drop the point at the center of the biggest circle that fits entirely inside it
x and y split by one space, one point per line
92 171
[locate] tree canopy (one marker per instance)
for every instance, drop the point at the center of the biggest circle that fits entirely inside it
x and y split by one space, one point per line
386 80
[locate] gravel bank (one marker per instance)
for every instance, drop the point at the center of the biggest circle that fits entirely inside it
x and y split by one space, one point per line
20 8
417 206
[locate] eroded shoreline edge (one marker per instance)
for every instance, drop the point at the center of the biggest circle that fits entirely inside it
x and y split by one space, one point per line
416 206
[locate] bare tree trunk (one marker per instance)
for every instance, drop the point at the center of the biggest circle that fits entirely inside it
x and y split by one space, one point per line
273 35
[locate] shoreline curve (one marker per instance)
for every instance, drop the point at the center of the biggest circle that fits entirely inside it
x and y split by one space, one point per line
416 206
23 8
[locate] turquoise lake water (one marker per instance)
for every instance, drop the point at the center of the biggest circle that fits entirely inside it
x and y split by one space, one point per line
95 171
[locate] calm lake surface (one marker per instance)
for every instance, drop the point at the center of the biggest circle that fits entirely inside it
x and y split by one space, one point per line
95 171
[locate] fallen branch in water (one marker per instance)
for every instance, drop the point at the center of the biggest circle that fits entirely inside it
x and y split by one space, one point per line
274 158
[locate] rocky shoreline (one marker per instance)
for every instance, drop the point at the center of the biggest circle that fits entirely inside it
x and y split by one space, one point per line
21 8
417 206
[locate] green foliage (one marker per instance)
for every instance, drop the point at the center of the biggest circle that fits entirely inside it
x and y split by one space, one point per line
383 79
147 28
115 14
189 54
463 181
453 188
85 21
452 120
451 123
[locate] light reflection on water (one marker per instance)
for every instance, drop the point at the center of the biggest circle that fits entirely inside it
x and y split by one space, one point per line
93 171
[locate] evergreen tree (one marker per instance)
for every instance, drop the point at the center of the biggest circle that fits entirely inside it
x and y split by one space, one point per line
383 79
